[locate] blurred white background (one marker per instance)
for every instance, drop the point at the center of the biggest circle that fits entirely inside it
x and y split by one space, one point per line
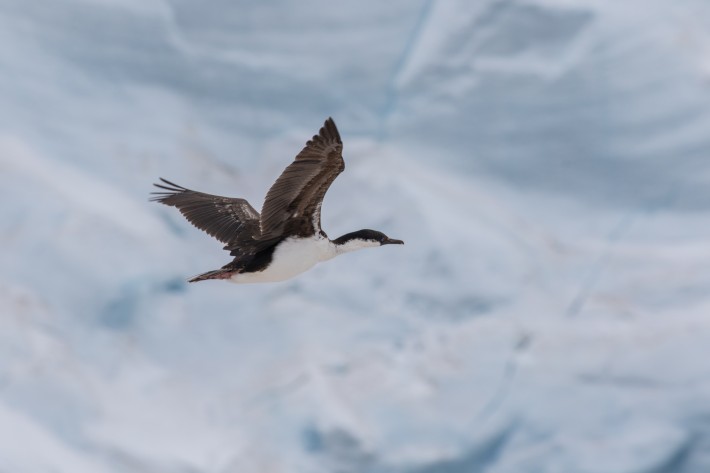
546 161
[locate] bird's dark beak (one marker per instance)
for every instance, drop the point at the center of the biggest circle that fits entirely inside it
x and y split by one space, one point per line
392 241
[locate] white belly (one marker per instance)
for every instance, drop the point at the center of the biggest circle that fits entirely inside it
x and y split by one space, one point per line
293 256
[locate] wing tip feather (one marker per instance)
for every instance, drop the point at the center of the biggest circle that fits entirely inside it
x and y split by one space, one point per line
169 189
329 131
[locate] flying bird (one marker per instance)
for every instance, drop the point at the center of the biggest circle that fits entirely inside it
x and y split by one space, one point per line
286 239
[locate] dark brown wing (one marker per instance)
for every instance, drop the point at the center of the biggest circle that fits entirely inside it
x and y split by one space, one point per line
293 203
227 219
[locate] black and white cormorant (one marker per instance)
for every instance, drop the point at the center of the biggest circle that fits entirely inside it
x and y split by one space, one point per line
286 239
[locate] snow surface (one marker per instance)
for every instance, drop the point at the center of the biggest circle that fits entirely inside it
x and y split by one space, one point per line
546 162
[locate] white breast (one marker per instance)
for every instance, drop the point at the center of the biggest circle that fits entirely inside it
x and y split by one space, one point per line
291 257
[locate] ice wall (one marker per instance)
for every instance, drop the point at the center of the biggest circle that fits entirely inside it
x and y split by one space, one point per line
544 160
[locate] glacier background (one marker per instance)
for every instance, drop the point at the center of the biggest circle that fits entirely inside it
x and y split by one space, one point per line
546 162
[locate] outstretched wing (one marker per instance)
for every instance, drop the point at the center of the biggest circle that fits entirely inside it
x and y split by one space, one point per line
293 203
227 219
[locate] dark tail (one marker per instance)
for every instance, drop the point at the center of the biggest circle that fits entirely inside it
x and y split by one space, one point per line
216 274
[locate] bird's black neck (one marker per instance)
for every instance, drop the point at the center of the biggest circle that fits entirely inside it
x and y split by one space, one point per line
358 235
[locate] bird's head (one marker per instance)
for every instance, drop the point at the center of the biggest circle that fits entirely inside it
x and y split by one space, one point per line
364 239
